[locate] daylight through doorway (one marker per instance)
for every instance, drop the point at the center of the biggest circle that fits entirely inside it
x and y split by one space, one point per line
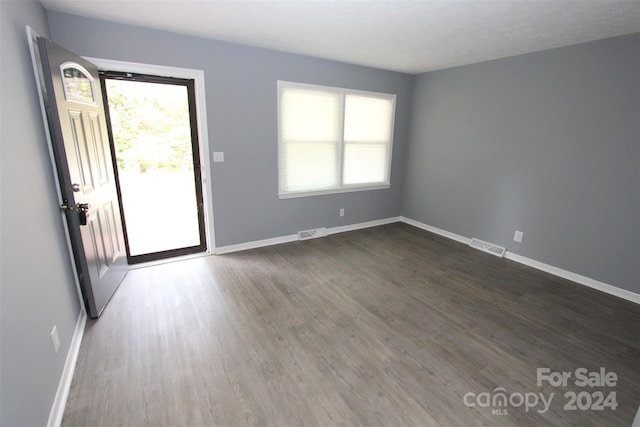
154 141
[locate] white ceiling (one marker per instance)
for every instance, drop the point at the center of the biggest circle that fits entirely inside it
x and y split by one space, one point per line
400 35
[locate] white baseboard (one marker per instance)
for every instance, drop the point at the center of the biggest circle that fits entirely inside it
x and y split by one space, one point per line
255 244
62 394
361 225
436 230
565 274
294 237
574 277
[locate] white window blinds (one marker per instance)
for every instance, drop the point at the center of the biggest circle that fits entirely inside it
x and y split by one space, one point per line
332 139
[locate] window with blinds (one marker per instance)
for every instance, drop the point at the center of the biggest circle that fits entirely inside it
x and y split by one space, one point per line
332 139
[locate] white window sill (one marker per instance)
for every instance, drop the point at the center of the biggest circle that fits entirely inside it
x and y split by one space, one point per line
333 191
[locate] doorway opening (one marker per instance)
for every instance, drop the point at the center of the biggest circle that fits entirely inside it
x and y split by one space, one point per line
154 140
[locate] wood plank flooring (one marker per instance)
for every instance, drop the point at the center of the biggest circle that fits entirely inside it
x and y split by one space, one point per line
388 326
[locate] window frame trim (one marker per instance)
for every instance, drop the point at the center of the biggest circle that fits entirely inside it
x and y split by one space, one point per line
342 188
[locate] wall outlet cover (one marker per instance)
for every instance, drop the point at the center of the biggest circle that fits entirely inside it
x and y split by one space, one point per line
518 236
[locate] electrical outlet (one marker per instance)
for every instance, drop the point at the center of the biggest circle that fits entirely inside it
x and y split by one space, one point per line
341 213
518 236
55 339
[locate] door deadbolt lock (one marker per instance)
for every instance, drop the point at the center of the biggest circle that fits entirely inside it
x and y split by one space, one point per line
75 188
81 208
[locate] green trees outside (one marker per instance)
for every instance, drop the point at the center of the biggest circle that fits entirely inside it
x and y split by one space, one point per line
151 127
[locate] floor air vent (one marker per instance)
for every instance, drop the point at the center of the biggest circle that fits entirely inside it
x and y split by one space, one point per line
312 234
487 247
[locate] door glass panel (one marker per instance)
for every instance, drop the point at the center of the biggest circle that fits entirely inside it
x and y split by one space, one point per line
152 137
78 84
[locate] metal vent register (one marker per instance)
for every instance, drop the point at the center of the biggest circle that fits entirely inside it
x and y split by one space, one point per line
487 247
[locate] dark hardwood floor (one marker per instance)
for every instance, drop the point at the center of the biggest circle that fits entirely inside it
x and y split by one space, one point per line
388 326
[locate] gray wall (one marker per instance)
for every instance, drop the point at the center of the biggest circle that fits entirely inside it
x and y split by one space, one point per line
547 143
242 122
37 285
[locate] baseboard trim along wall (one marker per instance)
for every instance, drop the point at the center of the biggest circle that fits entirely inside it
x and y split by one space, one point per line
574 277
435 230
62 394
294 237
255 244
361 225
565 274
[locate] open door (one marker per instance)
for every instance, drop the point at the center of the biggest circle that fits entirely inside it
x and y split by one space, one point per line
154 137
73 100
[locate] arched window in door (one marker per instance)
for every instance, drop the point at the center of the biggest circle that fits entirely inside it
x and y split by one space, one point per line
78 84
